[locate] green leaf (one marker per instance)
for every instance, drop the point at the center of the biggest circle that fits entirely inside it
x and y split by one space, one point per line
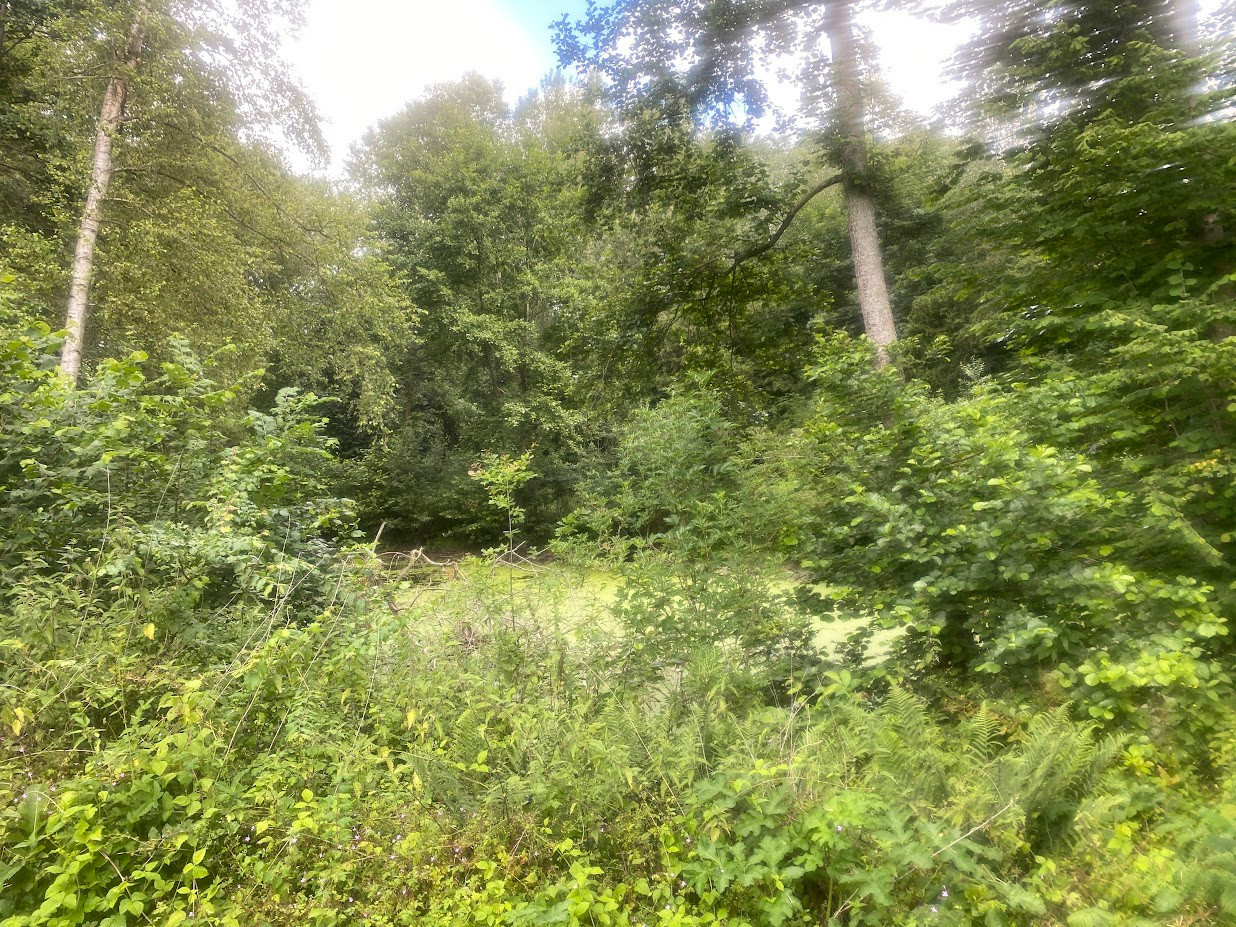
1091 917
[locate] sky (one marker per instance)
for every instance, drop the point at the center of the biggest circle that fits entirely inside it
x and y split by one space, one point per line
362 60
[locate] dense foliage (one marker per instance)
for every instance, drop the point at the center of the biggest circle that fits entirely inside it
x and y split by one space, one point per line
214 723
209 716
765 631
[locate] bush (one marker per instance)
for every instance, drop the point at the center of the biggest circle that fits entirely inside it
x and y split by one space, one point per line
155 490
1007 556
701 550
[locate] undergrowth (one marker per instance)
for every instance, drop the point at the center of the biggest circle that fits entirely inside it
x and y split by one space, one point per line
362 766
218 710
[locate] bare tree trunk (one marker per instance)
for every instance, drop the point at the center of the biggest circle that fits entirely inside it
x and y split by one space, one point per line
869 271
860 207
110 116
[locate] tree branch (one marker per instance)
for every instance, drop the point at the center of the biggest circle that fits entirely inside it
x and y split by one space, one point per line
253 181
17 169
799 204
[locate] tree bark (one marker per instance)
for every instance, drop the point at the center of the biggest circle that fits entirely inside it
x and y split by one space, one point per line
865 247
110 115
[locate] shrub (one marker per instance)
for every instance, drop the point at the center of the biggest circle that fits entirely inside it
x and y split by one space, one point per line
1007 556
154 487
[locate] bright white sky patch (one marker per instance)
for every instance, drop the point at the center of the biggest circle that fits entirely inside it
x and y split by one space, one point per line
362 60
914 54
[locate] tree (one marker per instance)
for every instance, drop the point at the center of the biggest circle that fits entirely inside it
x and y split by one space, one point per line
1115 167
207 234
101 170
720 45
481 218
1091 246
671 289
206 70
860 207
1029 75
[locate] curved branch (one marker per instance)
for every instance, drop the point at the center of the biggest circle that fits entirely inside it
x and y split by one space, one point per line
799 204
310 231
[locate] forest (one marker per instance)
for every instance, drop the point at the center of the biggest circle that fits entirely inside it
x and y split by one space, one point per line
643 504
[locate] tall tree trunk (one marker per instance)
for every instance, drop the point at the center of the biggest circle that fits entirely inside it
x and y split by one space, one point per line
860 207
110 116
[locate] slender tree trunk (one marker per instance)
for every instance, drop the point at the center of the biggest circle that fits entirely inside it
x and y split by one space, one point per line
110 116
860 207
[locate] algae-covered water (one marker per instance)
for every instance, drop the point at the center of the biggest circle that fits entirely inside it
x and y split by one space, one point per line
567 598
